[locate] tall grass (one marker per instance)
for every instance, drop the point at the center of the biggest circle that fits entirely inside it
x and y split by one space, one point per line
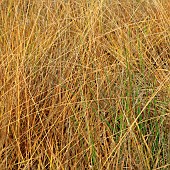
84 84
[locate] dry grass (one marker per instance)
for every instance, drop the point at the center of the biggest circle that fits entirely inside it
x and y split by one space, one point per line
84 84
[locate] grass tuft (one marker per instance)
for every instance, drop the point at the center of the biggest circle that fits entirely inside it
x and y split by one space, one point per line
84 84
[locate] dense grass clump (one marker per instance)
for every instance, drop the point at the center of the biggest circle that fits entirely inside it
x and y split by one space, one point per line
84 84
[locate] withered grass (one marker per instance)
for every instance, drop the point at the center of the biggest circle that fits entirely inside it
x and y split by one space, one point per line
84 85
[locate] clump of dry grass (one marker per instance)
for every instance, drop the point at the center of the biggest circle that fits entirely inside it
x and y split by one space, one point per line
84 84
